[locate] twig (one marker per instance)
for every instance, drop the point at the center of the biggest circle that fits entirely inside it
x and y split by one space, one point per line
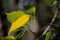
29 30
53 19
32 32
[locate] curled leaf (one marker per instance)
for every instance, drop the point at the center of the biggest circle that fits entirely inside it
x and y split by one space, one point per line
19 22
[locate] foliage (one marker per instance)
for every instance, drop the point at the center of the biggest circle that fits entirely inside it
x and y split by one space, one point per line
51 2
48 35
12 16
18 19
32 10
9 38
19 22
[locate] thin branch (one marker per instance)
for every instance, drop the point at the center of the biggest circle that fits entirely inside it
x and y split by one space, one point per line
31 31
53 19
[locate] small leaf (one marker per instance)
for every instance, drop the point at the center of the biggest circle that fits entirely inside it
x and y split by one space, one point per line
12 16
48 34
32 10
19 22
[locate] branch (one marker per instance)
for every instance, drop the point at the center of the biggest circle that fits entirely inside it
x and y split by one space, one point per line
53 19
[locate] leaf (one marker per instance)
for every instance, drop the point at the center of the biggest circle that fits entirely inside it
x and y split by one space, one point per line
9 38
12 16
55 3
32 10
48 34
19 22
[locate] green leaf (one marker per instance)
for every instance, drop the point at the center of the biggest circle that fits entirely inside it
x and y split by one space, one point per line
55 3
32 10
9 38
12 16
51 3
48 35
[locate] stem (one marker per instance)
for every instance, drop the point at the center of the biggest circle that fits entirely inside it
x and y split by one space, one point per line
21 34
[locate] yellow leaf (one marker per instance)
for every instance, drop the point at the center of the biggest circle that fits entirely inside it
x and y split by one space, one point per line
19 22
